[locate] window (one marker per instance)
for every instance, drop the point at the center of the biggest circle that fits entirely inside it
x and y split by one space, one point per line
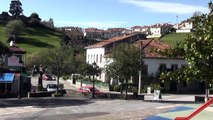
162 68
97 58
93 58
101 58
174 67
100 76
184 84
88 59
145 70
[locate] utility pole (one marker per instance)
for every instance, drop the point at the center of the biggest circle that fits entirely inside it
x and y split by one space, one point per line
140 71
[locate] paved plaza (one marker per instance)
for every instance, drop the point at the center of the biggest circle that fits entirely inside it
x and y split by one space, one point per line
67 108
77 107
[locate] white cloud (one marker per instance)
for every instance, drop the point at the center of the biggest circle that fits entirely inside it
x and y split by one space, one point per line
96 24
166 7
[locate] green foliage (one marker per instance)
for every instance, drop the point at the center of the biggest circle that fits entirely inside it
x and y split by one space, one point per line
14 27
59 60
153 86
15 8
126 62
116 88
89 70
35 15
66 77
3 49
39 88
34 19
61 86
197 51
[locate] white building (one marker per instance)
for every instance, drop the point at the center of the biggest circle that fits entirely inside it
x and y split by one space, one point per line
97 52
159 29
184 27
154 62
136 29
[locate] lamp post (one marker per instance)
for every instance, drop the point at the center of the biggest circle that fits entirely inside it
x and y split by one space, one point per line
94 65
20 80
1 66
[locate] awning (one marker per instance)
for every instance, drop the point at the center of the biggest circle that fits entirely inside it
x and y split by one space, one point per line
7 78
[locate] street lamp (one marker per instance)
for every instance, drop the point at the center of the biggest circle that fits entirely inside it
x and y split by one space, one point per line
1 66
94 65
20 80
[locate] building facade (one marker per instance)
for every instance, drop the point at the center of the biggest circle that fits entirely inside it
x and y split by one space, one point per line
154 63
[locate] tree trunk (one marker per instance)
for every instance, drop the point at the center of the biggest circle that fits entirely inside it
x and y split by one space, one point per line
40 82
58 77
126 88
207 93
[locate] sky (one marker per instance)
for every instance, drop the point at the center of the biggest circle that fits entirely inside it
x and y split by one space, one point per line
110 13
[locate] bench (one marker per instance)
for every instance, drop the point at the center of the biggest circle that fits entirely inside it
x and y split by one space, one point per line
39 94
44 93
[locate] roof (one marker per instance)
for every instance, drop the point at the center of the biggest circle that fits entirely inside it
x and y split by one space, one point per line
134 27
106 42
150 48
16 49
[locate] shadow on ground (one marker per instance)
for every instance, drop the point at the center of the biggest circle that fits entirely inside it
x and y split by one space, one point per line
43 102
173 101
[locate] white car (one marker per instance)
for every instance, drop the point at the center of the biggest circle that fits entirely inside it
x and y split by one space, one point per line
51 87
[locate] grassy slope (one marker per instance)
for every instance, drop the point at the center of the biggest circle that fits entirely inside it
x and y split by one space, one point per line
34 40
174 38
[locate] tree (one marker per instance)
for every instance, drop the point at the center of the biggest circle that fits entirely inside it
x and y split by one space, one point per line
88 70
126 63
14 28
34 19
197 51
58 60
3 50
15 8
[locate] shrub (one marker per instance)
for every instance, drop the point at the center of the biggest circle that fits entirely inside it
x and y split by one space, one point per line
61 86
116 88
39 88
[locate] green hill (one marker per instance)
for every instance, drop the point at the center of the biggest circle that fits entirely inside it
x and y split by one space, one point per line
34 40
173 38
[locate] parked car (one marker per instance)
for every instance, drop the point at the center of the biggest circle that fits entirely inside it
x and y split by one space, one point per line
51 87
47 77
88 89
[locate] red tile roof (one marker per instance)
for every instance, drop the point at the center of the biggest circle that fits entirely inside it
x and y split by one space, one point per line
150 48
106 42
136 27
16 49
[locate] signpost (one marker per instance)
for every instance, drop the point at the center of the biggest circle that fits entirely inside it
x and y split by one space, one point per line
156 95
